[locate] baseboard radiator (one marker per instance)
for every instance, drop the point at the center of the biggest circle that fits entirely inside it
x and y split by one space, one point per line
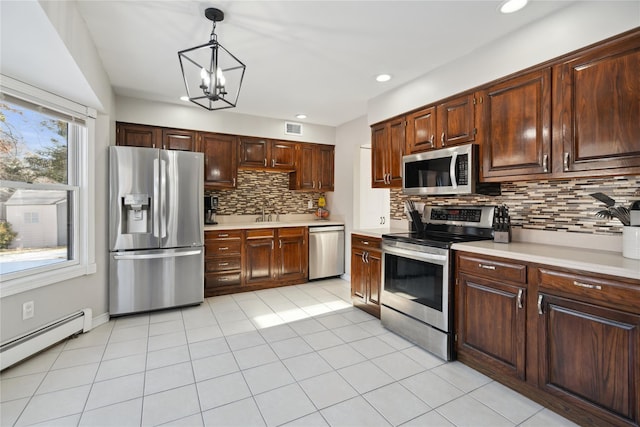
17 349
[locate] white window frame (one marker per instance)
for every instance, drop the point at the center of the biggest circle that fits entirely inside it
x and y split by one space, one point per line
81 164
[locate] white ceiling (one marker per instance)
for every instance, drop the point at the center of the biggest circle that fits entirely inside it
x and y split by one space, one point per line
314 57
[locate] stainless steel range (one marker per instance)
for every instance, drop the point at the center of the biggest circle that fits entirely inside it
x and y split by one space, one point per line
417 268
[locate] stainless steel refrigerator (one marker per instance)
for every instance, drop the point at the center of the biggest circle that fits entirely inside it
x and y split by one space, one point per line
156 229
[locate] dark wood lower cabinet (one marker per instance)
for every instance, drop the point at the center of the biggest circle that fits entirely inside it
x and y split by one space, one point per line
569 340
590 357
248 260
492 323
366 273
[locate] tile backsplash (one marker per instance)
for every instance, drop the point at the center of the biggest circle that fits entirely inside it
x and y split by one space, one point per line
558 205
256 189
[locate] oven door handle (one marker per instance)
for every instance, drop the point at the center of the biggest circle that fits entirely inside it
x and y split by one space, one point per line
440 259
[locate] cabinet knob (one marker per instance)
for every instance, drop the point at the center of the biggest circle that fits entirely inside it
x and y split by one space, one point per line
442 139
431 140
273 163
565 162
487 267
545 163
265 163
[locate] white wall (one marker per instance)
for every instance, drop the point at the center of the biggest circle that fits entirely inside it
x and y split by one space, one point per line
349 137
186 116
571 28
67 27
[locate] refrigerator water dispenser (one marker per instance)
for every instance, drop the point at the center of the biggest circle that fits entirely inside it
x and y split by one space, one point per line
135 211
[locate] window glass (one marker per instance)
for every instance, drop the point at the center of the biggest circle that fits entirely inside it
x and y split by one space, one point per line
37 191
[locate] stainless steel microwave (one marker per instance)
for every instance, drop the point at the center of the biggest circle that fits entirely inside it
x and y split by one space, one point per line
452 170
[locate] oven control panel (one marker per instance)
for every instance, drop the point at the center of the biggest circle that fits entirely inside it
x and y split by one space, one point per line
447 214
476 216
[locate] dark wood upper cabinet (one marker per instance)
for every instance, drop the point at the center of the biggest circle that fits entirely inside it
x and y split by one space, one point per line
450 123
220 160
253 152
516 126
314 170
597 116
178 139
456 121
387 148
421 130
133 135
266 154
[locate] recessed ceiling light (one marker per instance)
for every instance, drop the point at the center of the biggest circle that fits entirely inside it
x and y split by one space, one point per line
383 77
301 116
184 98
510 6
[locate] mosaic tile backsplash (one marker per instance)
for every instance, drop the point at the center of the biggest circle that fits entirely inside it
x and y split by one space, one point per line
558 205
256 189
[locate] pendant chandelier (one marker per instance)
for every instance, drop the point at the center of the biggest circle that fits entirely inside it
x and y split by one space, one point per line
212 75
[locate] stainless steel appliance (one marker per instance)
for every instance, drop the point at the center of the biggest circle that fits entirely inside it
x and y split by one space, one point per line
417 268
326 251
451 170
210 209
156 230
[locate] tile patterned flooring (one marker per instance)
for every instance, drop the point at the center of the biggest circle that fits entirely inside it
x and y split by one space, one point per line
295 356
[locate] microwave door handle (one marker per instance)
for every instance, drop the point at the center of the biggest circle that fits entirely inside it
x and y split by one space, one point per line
452 170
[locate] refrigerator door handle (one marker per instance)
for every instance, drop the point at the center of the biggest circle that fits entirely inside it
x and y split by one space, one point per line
159 255
156 203
163 199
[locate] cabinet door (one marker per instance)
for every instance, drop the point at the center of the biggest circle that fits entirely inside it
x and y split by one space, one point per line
379 138
292 253
283 155
253 152
395 152
325 167
359 275
374 261
598 107
306 167
421 130
133 135
220 160
456 121
259 260
590 357
491 324
517 126
178 139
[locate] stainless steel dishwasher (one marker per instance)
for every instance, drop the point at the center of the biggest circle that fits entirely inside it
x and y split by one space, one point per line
326 251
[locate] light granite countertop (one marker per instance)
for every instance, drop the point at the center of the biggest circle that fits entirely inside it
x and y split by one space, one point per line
241 222
588 260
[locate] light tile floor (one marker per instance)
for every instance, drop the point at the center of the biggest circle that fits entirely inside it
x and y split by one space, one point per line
297 356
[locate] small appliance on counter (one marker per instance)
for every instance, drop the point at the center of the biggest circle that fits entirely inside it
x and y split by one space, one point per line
502 225
210 209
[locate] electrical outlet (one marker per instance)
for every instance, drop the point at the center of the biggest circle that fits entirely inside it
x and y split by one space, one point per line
27 310
310 204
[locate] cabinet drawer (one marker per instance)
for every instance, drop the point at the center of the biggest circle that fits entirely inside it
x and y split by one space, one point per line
222 247
260 233
499 270
616 294
365 242
291 231
213 265
221 280
223 234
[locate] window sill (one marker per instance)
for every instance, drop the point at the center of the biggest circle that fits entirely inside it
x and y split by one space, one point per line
39 280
